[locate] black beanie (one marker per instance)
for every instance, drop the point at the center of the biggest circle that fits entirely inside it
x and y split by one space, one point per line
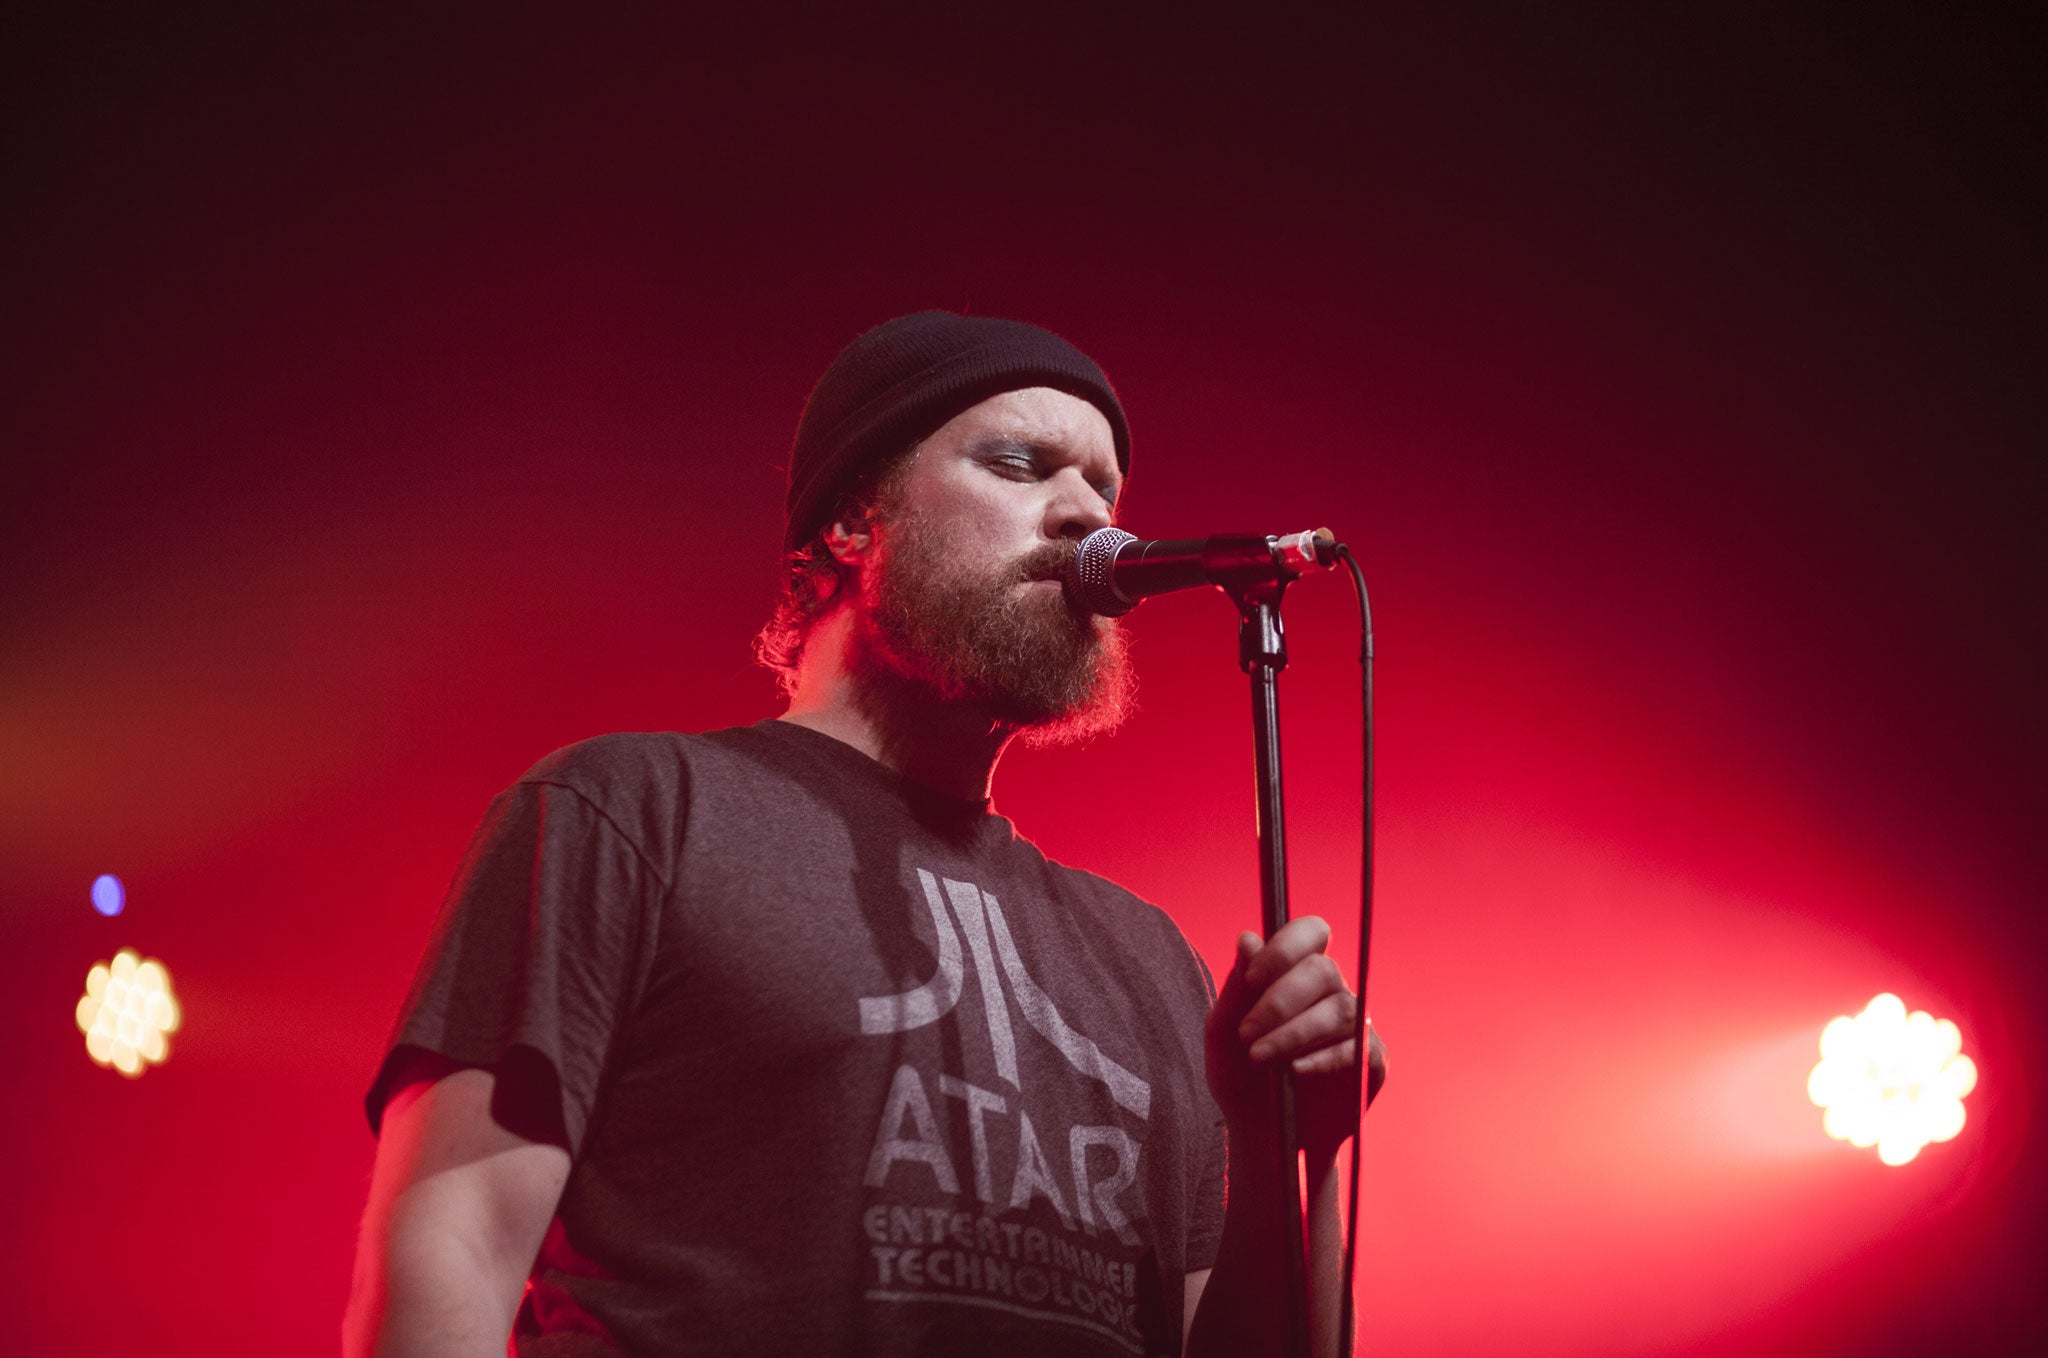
905 378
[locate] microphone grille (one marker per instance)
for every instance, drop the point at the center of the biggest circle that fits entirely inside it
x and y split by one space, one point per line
1091 580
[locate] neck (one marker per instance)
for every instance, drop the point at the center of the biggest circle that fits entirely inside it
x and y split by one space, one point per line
950 747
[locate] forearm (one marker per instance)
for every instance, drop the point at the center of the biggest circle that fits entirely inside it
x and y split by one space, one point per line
1244 1305
425 1298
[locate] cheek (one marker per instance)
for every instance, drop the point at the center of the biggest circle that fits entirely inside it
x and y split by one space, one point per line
986 513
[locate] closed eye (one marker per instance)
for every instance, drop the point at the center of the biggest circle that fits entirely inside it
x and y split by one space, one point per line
1021 460
1011 457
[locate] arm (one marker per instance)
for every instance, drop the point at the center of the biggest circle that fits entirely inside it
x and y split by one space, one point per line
1284 1004
458 1206
1239 1306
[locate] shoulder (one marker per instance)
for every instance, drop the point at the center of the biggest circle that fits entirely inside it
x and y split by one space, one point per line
1134 920
1118 901
638 783
634 764
634 777
629 760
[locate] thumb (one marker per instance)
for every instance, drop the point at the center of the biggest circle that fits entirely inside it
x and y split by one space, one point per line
1231 1001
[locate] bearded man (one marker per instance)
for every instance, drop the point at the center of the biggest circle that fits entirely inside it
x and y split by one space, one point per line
779 1040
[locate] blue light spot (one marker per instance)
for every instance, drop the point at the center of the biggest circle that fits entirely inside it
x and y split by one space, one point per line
108 895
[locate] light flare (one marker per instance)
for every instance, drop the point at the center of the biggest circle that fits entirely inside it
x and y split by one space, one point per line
1891 1079
127 1013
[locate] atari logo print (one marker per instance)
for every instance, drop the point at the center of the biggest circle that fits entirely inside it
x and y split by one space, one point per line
1052 1237
993 954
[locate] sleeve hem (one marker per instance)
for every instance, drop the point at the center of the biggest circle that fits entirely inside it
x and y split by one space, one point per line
526 1101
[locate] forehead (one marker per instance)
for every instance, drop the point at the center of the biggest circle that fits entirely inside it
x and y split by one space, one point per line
1042 416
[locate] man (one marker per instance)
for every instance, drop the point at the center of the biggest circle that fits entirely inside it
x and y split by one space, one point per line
779 1041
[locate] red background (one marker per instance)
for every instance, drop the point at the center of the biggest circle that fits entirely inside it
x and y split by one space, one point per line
393 400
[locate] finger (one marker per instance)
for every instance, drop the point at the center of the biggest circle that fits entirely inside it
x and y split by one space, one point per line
1296 939
1327 1060
1329 1020
1307 982
1235 997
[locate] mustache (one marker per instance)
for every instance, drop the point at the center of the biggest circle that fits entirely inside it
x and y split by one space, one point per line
1048 561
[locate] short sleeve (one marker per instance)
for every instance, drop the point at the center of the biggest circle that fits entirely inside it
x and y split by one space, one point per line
535 961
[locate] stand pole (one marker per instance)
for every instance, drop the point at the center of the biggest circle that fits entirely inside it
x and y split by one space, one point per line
1262 653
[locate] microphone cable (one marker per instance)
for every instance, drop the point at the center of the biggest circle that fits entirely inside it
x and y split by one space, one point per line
1347 1323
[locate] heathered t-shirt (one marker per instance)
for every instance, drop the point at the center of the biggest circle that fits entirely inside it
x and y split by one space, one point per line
843 1066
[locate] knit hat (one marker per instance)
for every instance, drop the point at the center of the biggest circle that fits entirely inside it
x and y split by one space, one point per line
905 378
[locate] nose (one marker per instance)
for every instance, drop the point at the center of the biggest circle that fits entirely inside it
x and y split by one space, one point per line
1076 508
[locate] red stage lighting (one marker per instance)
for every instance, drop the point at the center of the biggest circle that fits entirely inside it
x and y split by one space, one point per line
127 1013
1892 1080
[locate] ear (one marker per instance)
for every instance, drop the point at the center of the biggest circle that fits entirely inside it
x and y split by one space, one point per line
849 540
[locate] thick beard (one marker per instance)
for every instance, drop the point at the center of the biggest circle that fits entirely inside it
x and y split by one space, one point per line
1037 667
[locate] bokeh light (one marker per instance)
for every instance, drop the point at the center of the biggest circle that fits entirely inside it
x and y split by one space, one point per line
127 1013
1891 1079
108 895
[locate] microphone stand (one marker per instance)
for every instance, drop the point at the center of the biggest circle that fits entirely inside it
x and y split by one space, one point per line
1244 566
1262 654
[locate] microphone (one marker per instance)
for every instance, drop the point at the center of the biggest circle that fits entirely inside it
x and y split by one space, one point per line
1113 569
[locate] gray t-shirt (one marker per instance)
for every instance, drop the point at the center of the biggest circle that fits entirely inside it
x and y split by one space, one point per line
843 1066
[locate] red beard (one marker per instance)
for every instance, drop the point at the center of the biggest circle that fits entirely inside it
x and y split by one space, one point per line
1033 663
